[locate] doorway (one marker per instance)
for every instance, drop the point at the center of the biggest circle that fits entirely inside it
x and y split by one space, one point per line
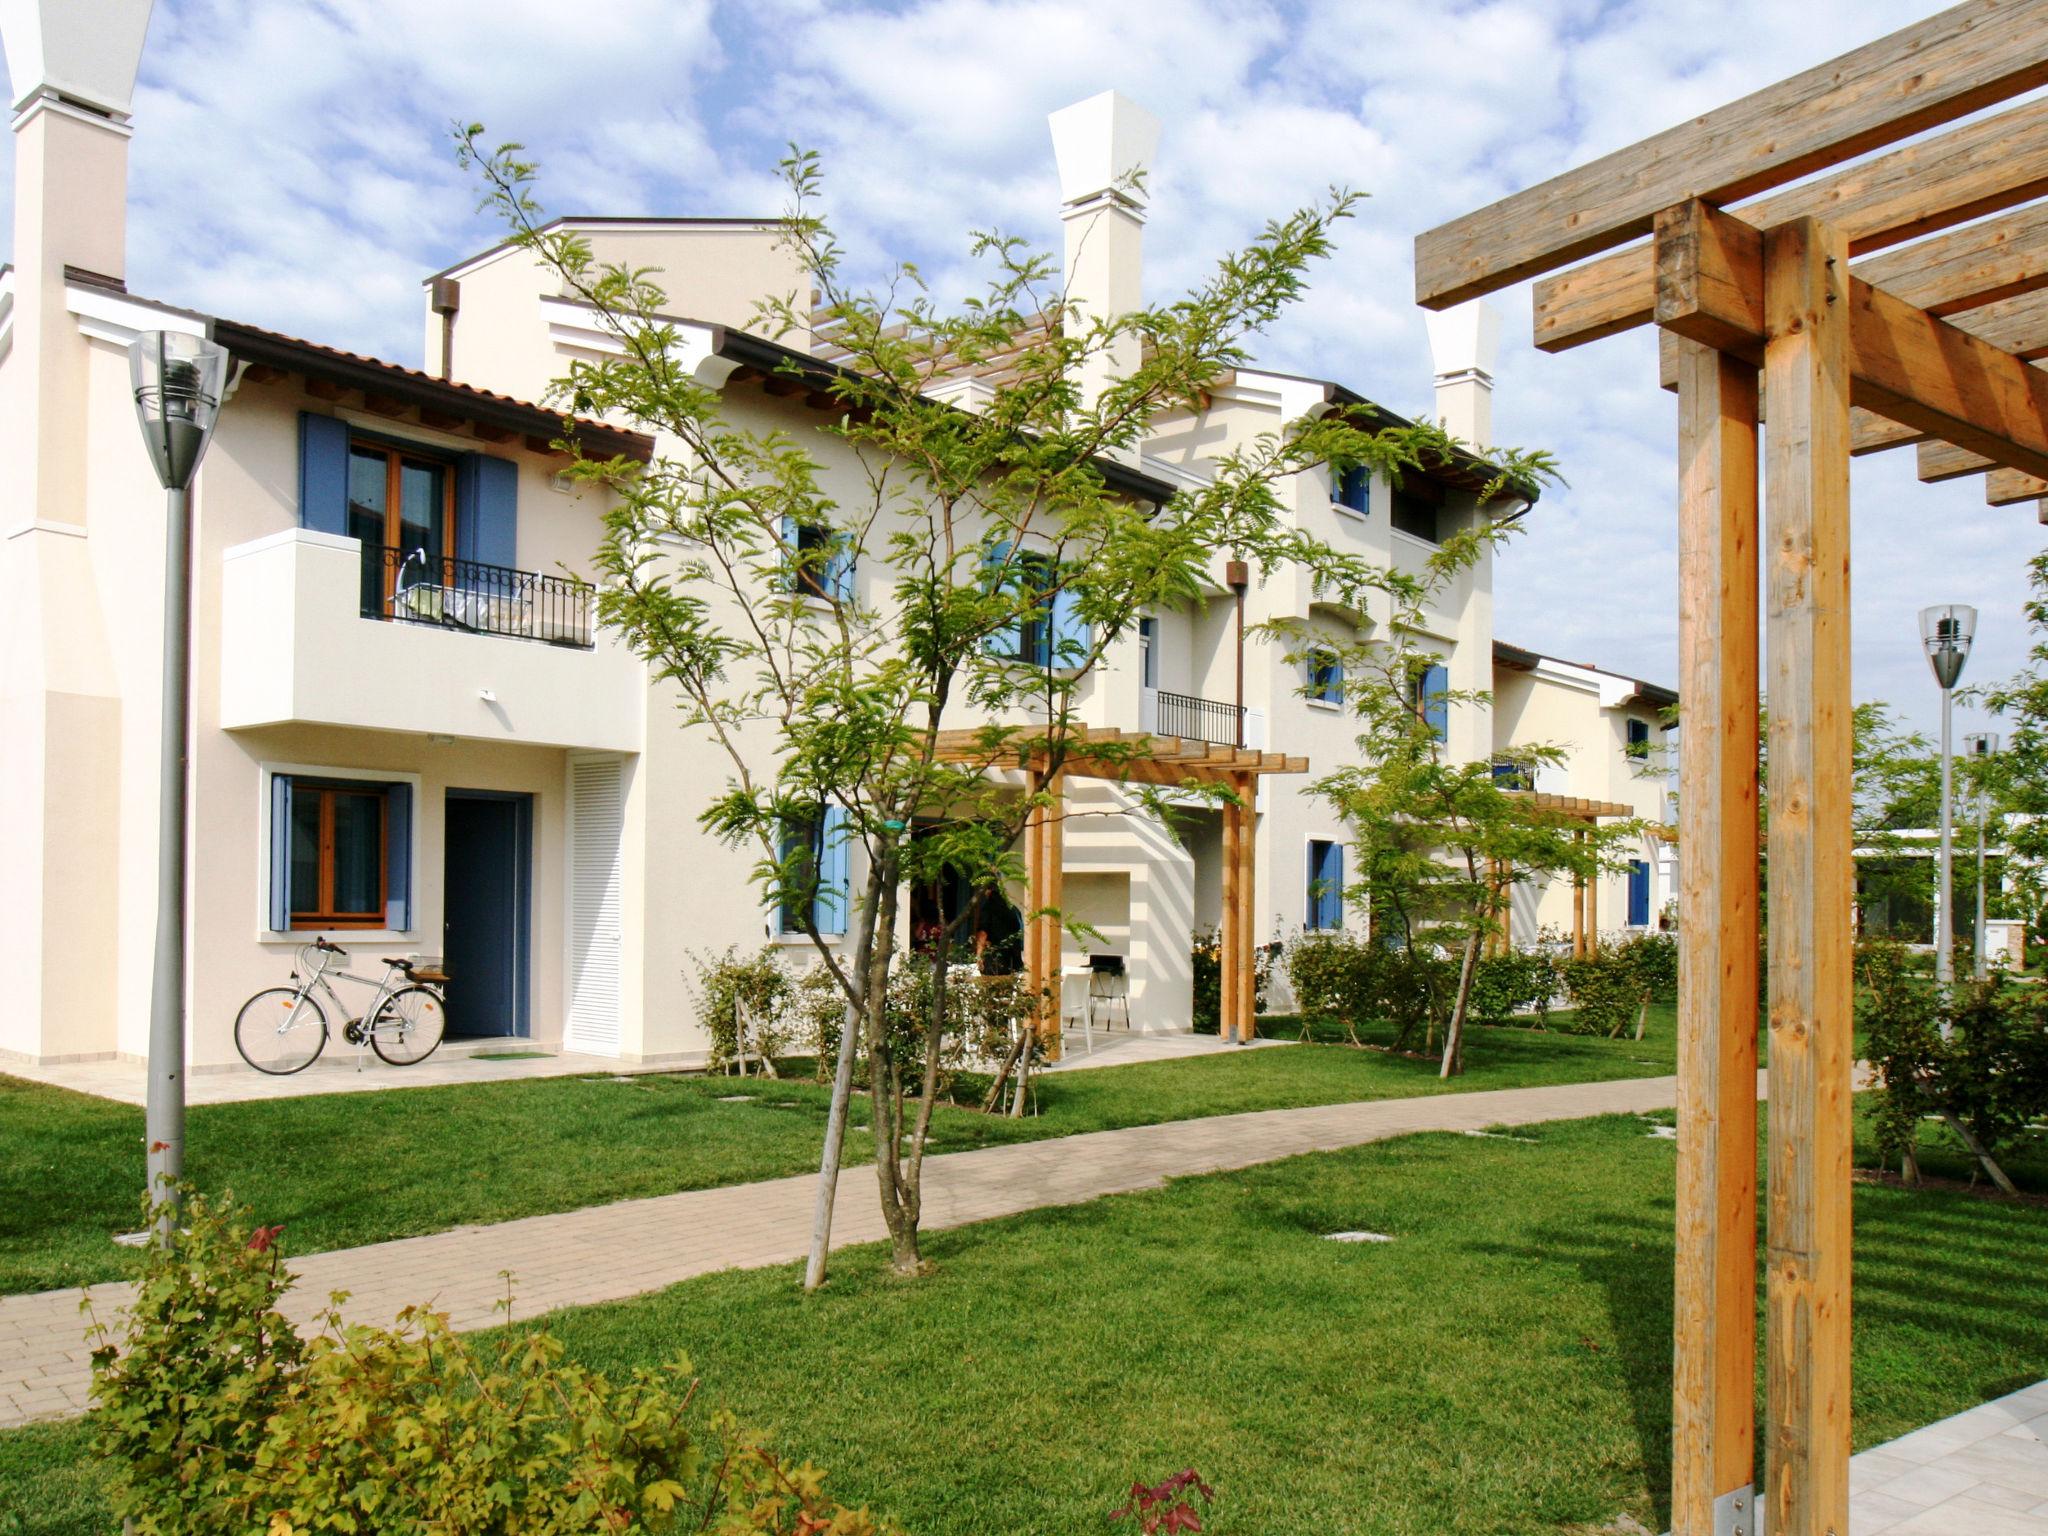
487 912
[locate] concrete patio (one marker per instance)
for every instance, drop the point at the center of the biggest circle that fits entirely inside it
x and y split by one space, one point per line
468 1061
1981 1473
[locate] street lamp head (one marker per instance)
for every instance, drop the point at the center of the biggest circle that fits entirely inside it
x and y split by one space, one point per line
178 381
1946 630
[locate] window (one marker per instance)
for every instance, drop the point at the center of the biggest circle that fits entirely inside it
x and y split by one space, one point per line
1049 632
1325 676
340 853
401 501
1639 740
820 848
824 561
1512 775
1416 511
1353 490
1325 907
1429 688
1148 652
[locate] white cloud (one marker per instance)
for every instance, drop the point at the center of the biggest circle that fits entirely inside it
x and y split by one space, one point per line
292 167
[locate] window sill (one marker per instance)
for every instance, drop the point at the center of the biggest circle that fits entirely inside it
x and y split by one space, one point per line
348 938
1352 513
1325 705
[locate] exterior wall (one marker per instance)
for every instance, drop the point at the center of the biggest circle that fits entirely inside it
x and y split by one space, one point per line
1586 712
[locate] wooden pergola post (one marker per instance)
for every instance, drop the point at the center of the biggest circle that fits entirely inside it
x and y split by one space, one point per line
1229 994
1806 380
1247 907
1714 1354
1592 910
1578 908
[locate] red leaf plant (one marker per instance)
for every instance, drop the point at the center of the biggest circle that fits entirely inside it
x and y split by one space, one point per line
1161 1509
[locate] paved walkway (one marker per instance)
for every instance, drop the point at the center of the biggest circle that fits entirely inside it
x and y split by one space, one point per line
1981 1473
609 1252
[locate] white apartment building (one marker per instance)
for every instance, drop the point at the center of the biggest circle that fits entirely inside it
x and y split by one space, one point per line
467 767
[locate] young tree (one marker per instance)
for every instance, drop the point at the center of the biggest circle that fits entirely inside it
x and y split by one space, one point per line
834 607
2017 778
1438 841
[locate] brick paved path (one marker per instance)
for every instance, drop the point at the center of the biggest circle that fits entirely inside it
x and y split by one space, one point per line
608 1252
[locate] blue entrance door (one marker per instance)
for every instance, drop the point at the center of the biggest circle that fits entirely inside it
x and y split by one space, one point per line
1638 893
486 908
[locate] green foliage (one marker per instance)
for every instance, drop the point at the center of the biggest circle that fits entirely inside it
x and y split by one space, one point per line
1606 994
1520 981
727 979
1990 1074
1207 957
215 1417
184 1399
1356 980
2017 777
1653 957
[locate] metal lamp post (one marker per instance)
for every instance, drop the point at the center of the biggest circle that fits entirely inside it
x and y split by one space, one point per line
1981 745
178 383
1946 630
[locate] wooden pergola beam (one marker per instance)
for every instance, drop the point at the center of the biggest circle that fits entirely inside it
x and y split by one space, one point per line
2008 487
1963 174
1933 72
1904 363
1980 264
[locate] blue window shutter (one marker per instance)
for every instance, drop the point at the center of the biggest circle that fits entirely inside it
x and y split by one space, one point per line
1333 886
323 474
834 873
280 852
1007 642
1354 490
1326 678
487 510
838 581
1638 894
1072 636
398 857
1436 714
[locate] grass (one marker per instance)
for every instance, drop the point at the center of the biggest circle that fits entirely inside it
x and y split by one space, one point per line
345 1169
1503 1366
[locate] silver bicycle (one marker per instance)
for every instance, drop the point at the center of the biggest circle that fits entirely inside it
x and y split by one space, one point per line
282 1030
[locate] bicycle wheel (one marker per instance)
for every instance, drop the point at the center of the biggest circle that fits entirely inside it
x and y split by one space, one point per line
281 1030
409 1025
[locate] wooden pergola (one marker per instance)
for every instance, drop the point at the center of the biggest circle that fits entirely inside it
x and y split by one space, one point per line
1128 757
1898 299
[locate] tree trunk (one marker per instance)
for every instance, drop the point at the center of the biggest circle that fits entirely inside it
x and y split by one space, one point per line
1454 1035
885 1089
842 1085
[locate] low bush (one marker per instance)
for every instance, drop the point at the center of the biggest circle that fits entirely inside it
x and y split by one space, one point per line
1505 986
213 1416
1207 957
727 979
1987 1079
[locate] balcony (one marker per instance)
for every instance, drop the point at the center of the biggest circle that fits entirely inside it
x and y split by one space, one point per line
1164 713
313 632
477 599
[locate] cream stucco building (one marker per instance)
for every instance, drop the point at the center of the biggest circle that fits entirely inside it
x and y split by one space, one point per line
462 764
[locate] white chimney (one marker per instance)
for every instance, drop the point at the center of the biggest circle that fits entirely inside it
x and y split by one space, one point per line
1464 345
1098 144
73 65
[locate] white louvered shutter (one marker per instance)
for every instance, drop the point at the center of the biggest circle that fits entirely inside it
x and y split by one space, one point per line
597 818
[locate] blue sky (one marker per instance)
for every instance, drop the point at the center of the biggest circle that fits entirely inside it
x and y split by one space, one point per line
292 167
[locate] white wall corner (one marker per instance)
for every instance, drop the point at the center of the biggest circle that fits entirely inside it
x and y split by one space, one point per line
1464 349
85 53
1099 142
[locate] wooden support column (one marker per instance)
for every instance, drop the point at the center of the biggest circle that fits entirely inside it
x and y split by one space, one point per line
1806 583
1054 839
1592 909
1229 994
1034 900
1714 1317
1578 908
1248 906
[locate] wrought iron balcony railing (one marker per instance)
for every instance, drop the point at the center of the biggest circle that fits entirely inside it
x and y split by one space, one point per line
1182 714
412 587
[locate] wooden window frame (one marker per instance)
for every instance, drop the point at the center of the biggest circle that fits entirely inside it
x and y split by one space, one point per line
326 916
396 455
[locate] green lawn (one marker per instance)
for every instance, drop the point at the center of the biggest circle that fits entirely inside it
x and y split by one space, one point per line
1503 1366
344 1169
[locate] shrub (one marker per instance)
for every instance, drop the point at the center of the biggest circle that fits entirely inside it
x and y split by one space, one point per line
1654 959
725 979
1988 1079
214 1417
1207 957
1503 986
1605 992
